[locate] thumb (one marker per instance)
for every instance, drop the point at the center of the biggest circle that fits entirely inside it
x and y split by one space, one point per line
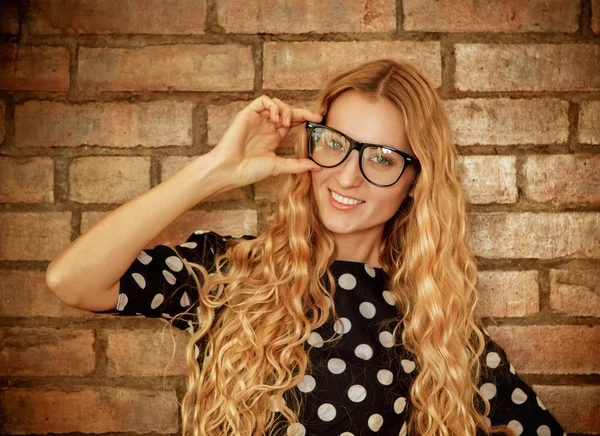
294 166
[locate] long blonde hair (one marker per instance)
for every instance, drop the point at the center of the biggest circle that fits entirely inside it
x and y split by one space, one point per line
267 294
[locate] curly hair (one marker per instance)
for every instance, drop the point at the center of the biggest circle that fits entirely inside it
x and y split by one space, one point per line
266 295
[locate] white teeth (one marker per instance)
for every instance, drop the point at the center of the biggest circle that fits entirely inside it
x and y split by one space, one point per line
345 200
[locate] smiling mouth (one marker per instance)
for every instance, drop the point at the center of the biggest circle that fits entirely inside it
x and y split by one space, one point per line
345 200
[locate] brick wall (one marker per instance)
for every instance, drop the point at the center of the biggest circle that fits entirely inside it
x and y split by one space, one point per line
102 100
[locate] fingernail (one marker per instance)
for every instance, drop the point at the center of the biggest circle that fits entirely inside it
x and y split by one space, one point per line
287 120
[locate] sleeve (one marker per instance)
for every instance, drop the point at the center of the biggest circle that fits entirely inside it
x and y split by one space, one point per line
158 285
512 401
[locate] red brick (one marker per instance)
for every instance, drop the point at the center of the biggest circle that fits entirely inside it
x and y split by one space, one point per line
173 164
576 408
566 349
468 16
270 188
504 121
117 16
34 68
9 18
33 235
564 178
40 352
544 235
589 122
489 179
310 65
595 20
185 67
98 410
118 125
2 121
527 67
224 222
26 180
147 353
507 293
108 179
324 16
575 291
24 293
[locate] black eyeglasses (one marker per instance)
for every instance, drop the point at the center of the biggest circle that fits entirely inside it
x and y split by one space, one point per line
379 164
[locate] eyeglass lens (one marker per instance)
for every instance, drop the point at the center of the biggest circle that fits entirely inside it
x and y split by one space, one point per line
380 165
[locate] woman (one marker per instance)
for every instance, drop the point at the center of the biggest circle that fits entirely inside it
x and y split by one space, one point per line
353 312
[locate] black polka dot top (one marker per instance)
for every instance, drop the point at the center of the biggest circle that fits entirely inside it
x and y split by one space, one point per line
358 385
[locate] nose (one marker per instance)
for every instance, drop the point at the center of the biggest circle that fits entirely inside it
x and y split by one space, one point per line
349 174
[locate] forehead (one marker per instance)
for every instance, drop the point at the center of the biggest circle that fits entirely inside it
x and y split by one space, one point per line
368 119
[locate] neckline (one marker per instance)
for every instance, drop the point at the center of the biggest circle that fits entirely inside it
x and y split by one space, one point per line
353 262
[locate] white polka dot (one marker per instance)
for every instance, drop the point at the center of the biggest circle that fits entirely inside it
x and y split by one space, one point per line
403 430
375 421
389 298
407 365
343 325
157 301
518 396
385 377
386 339
487 421
543 430
315 340
122 301
196 351
144 257
274 403
296 429
174 263
201 232
540 403
185 300
190 245
515 426
307 384
328 301
512 369
399 405
367 309
488 390
357 393
140 280
169 277
326 412
363 351
190 329
492 359
347 433
370 270
347 281
336 366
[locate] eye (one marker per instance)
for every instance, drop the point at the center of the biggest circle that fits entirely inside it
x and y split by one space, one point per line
336 145
380 160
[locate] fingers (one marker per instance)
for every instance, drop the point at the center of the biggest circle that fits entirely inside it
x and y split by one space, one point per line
281 113
295 166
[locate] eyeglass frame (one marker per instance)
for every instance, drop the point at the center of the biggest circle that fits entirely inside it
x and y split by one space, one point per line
360 147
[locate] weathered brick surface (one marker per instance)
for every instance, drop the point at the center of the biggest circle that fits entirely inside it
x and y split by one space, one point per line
589 122
575 291
118 125
527 67
2 121
117 16
34 68
186 67
26 180
504 121
9 18
507 293
108 179
304 16
33 235
24 293
147 353
535 235
225 222
468 16
576 408
545 349
595 20
173 164
92 410
562 178
42 352
489 179
310 65
270 188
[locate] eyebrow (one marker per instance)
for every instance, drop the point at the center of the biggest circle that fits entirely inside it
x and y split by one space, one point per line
360 142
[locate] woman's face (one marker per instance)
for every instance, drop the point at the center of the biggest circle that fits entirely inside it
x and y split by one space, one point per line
366 120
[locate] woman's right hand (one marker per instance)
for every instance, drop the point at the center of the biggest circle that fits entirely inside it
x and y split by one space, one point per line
247 149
